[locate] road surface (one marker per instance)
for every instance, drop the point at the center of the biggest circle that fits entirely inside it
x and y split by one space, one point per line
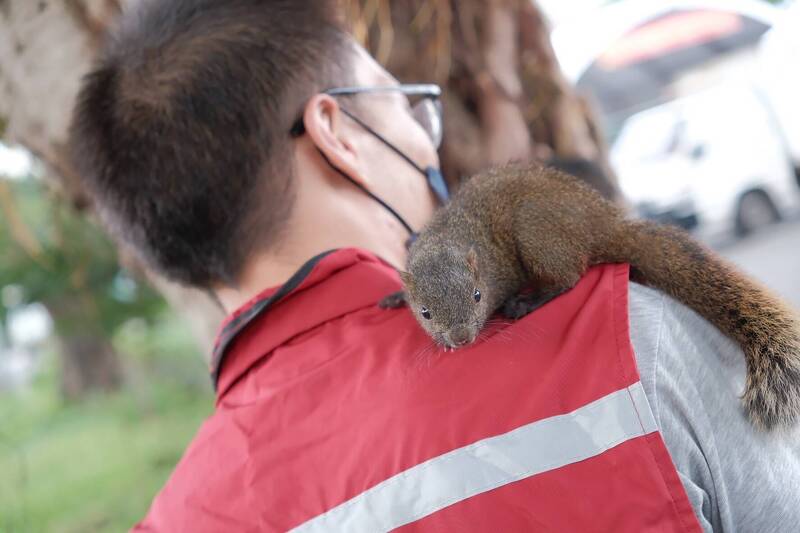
773 257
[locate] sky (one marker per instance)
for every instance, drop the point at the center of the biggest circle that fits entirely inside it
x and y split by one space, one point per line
559 11
14 162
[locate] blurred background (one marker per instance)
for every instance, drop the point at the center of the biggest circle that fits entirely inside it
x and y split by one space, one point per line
685 112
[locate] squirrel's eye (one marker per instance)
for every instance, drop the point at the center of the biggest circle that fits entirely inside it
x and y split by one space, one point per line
477 295
425 313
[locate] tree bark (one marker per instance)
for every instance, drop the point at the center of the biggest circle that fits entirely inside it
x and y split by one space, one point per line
88 363
45 48
88 360
505 96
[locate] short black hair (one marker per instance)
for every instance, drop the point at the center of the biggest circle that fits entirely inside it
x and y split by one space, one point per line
180 132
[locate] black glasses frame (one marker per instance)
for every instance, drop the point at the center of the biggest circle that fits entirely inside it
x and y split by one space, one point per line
409 89
426 90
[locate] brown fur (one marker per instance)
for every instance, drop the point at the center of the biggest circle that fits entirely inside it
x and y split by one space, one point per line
534 226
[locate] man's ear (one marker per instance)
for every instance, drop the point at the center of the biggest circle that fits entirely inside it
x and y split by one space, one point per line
406 278
325 126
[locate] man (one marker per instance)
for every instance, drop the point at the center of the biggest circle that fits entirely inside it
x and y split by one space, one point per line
250 148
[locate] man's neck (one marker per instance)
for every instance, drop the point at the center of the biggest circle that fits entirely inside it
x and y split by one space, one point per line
321 221
268 270
263 272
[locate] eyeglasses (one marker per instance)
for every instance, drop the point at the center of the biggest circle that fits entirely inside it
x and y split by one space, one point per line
423 98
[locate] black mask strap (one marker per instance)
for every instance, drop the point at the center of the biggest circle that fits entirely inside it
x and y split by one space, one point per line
433 175
412 234
382 139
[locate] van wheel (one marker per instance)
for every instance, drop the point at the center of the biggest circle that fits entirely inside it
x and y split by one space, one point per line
755 211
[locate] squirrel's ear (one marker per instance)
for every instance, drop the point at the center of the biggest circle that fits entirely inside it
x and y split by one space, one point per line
407 278
472 260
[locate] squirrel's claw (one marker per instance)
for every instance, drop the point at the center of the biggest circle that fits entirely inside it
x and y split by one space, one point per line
393 301
522 304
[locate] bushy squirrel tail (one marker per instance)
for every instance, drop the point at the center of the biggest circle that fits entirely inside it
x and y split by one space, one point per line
667 259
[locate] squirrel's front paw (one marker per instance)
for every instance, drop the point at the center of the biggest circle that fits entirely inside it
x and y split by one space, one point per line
522 304
517 306
393 301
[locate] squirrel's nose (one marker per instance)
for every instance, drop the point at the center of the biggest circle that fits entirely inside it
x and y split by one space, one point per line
460 336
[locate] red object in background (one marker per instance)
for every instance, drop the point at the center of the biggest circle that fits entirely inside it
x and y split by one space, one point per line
323 396
668 34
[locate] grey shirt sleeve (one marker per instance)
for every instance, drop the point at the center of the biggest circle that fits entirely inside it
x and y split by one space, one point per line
737 479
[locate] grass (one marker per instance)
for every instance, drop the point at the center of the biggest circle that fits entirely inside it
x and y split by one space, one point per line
96 466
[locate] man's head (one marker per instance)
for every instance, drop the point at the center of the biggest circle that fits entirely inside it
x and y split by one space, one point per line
181 134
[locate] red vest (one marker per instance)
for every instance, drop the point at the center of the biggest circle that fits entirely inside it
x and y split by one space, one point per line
335 415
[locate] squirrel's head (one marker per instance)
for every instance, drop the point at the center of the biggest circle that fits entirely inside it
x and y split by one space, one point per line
444 291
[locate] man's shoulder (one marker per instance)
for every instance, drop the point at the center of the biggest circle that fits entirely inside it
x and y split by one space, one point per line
677 349
693 376
663 329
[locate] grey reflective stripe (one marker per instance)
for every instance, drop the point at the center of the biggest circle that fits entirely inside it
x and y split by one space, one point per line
491 463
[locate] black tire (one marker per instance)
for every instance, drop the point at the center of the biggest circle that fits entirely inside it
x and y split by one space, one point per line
755 210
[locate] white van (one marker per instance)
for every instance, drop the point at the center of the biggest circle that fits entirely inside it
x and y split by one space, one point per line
779 77
714 162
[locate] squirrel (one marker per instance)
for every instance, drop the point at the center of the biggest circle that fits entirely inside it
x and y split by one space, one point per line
529 226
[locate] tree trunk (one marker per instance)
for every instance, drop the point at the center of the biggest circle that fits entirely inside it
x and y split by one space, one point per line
505 96
45 48
88 363
88 360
